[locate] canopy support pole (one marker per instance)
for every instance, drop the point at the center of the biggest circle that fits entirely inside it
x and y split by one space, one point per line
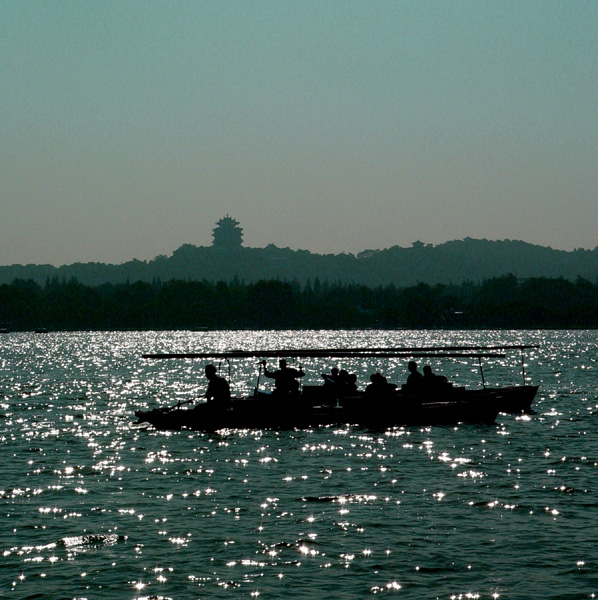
482 372
259 374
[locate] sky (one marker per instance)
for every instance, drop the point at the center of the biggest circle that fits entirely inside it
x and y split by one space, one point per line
129 128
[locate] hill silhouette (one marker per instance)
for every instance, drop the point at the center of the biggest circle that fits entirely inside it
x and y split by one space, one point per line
455 262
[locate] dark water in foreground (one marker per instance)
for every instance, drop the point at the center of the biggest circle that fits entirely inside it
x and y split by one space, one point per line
94 507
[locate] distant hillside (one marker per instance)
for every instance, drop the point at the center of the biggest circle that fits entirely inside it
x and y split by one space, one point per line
453 262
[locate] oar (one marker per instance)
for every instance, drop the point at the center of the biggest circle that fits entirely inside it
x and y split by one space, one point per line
177 405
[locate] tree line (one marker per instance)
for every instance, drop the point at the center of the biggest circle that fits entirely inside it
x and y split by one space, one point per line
500 302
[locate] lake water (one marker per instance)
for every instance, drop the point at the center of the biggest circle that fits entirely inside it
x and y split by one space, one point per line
92 506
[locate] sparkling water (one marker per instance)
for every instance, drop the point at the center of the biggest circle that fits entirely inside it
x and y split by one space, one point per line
94 506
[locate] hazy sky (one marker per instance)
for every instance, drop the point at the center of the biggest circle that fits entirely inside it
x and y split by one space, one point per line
129 128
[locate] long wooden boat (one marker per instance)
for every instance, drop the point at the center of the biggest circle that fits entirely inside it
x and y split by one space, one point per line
316 405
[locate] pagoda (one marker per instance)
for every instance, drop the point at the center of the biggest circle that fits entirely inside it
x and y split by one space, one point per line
227 234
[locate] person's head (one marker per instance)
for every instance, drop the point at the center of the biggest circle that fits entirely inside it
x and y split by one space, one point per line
282 363
210 371
412 366
427 370
334 371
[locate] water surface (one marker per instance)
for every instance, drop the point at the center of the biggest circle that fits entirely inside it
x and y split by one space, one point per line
93 506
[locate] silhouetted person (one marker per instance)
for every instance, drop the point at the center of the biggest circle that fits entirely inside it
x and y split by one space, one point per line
218 392
331 386
379 388
341 383
285 378
350 385
331 379
431 379
415 377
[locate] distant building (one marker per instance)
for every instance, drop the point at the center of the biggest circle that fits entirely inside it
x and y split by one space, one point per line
227 233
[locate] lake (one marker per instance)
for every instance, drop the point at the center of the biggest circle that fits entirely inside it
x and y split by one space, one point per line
94 506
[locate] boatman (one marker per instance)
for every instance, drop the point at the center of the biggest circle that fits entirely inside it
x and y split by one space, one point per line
218 393
285 378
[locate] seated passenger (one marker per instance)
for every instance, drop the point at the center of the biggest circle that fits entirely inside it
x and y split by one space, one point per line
415 377
432 380
379 388
343 384
350 388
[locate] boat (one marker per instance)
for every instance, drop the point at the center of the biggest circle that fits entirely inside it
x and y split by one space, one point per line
319 405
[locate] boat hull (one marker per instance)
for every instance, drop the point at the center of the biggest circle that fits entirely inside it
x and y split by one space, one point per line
515 399
257 413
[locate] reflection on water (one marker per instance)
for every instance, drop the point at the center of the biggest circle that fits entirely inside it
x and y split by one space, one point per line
95 507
